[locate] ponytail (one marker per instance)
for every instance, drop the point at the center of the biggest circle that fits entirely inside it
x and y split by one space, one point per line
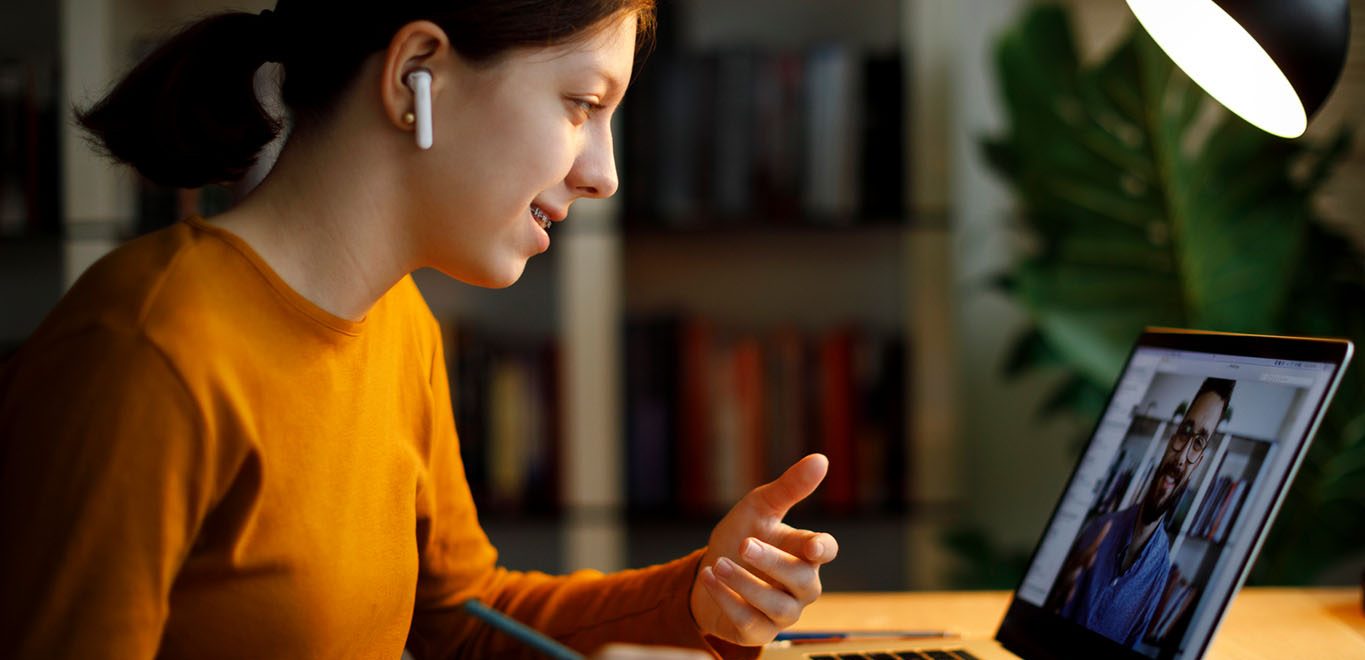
187 115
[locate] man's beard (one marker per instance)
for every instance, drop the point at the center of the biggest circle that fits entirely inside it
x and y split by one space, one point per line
1153 511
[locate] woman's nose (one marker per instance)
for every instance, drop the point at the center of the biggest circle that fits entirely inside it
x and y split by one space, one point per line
594 174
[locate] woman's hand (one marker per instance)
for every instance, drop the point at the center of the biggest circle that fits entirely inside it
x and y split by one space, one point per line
758 573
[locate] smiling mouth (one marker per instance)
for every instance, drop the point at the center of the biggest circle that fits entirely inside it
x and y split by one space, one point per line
541 218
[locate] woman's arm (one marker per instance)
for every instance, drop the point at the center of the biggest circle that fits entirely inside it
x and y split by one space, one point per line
583 610
104 480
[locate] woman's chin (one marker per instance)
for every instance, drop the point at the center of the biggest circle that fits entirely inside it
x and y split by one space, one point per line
496 273
503 276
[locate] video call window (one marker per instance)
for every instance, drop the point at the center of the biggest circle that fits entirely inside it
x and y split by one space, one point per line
1196 449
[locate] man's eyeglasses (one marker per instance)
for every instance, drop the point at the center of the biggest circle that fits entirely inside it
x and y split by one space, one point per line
1185 435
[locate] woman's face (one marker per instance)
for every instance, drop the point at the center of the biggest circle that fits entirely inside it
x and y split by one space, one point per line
531 130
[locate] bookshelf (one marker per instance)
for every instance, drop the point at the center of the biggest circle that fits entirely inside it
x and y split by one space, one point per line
878 261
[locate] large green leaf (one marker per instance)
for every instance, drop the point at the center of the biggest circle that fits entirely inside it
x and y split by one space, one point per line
1148 205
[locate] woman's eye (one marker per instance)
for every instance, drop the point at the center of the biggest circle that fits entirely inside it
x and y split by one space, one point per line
586 108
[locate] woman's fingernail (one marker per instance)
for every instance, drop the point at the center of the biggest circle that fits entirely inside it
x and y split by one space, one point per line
708 576
751 549
725 567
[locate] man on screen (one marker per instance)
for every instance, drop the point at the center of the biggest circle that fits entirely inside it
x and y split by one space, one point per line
1113 577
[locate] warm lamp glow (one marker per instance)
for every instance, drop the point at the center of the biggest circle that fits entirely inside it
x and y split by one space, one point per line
1218 54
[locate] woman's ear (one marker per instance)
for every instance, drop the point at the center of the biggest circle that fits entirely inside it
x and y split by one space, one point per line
417 45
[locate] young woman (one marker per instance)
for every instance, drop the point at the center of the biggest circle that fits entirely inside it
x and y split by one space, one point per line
233 437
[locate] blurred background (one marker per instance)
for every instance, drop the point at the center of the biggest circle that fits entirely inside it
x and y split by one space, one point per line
833 234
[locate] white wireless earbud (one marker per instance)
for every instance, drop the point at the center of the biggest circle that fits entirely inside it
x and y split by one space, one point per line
420 82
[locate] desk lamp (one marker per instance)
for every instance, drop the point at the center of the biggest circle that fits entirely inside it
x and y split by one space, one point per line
1272 62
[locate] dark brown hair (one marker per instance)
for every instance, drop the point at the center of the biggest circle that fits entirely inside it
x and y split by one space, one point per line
187 115
1219 387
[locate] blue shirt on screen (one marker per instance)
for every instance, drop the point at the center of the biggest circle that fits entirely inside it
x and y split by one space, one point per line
1113 603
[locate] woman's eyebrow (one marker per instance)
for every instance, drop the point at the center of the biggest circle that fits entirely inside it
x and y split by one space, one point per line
613 84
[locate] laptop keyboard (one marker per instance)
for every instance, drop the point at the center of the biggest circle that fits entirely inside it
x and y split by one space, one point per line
946 654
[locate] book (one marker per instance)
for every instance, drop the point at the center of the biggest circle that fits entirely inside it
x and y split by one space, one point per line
882 170
837 419
832 99
735 115
789 411
505 398
651 412
780 139
694 417
1227 511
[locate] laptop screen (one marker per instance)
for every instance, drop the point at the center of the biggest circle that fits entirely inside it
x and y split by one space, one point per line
1167 503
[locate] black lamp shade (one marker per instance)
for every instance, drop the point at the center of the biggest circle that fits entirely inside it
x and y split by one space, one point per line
1306 40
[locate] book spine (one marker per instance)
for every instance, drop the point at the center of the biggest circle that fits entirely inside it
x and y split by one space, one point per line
694 419
837 420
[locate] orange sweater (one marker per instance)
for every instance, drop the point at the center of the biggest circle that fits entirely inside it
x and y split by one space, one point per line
198 462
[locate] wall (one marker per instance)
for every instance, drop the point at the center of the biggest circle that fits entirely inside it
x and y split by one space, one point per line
1024 459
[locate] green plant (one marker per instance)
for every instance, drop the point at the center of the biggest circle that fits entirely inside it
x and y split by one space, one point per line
1145 204
982 564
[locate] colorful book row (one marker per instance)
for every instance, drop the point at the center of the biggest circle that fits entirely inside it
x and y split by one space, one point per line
710 414
752 137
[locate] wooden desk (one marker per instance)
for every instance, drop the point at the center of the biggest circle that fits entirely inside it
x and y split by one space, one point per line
1263 623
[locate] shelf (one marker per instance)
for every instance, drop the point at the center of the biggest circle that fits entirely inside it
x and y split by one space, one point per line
29 239
638 227
723 230
808 280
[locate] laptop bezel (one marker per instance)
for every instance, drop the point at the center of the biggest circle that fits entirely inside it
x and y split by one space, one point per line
1031 632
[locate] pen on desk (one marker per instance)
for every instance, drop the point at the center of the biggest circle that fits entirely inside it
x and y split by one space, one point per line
836 635
520 631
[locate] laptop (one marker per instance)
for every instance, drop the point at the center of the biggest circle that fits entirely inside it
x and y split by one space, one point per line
1166 509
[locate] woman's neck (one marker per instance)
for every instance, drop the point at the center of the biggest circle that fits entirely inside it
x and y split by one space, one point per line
328 220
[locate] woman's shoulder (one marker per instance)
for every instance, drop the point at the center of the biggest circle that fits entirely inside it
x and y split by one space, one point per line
173 285
117 289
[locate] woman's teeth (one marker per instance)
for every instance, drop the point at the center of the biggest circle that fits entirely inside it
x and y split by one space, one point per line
540 217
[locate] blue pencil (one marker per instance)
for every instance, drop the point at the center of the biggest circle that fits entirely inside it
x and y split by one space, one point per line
789 636
520 631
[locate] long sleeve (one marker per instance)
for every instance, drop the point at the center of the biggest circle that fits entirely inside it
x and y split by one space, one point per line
583 610
104 479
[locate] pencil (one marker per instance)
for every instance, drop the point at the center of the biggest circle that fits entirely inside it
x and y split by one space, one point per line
861 634
520 631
